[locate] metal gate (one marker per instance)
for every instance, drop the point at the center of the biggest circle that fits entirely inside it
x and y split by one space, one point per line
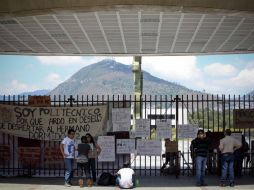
212 113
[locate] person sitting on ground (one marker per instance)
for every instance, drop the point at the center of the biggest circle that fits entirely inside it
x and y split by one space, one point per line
125 177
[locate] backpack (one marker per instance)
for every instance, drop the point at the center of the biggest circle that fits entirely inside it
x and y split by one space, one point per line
106 179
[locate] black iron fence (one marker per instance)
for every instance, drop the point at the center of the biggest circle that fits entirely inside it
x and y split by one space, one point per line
212 113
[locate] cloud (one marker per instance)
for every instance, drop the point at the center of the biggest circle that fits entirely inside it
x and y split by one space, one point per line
220 70
60 60
173 68
15 87
53 79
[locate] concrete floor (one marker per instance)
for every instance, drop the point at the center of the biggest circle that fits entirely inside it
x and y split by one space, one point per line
146 183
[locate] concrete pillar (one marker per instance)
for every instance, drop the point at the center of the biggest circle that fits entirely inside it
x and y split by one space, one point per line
138 88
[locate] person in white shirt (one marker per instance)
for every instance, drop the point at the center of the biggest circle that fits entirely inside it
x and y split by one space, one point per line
125 178
227 147
67 148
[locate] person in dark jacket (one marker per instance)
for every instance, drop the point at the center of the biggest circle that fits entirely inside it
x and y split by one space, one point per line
199 150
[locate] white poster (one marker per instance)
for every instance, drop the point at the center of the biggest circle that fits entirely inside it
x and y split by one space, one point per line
187 131
142 128
107 144
121 119
163 129
125 146
149 147
237 136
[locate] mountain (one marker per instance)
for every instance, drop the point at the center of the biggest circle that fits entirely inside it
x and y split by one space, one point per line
251 93
35 93
26 94
109 77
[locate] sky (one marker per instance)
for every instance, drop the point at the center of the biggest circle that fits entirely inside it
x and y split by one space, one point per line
217 74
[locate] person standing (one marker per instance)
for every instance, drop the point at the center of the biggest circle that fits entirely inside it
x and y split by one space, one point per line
227 147
200 147
95 151
67 148
82 160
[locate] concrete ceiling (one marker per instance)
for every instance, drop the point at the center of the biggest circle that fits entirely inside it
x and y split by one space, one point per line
119 29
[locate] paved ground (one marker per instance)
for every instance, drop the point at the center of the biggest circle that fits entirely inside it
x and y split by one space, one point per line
146 183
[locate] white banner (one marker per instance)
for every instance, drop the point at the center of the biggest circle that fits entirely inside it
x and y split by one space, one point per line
107 144
163 129
149 147
52 123
187 131
121 119
237 136
125 146
142 128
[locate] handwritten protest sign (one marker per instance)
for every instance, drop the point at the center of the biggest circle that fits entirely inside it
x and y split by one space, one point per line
107 144
149 147
237 136
142 128
125 146
51 123
243 118
121 119
187 131
163 128
39 101
4 152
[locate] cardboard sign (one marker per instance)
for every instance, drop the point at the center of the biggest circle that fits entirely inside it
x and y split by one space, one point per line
163 129
237 136
107 144
142 128
121 119
125 146
243 118
39 101
171 146
187 131
52 123
149 147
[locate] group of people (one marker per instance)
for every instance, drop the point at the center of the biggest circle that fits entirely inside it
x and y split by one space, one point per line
88 150
227 147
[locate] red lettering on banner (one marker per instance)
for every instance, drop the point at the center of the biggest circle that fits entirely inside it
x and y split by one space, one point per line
30 155
4 152
52 155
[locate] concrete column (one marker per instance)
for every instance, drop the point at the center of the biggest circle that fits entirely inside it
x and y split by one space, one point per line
138 87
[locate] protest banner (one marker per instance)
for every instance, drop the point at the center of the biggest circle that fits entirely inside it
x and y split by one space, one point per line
4 152
237 136
163 128
142 128
52 123
125 146
149 147
121 119
29 155
243 118
52 155
107 144
187 131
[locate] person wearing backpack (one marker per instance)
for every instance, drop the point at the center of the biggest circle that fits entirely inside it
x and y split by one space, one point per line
82 161
125 177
